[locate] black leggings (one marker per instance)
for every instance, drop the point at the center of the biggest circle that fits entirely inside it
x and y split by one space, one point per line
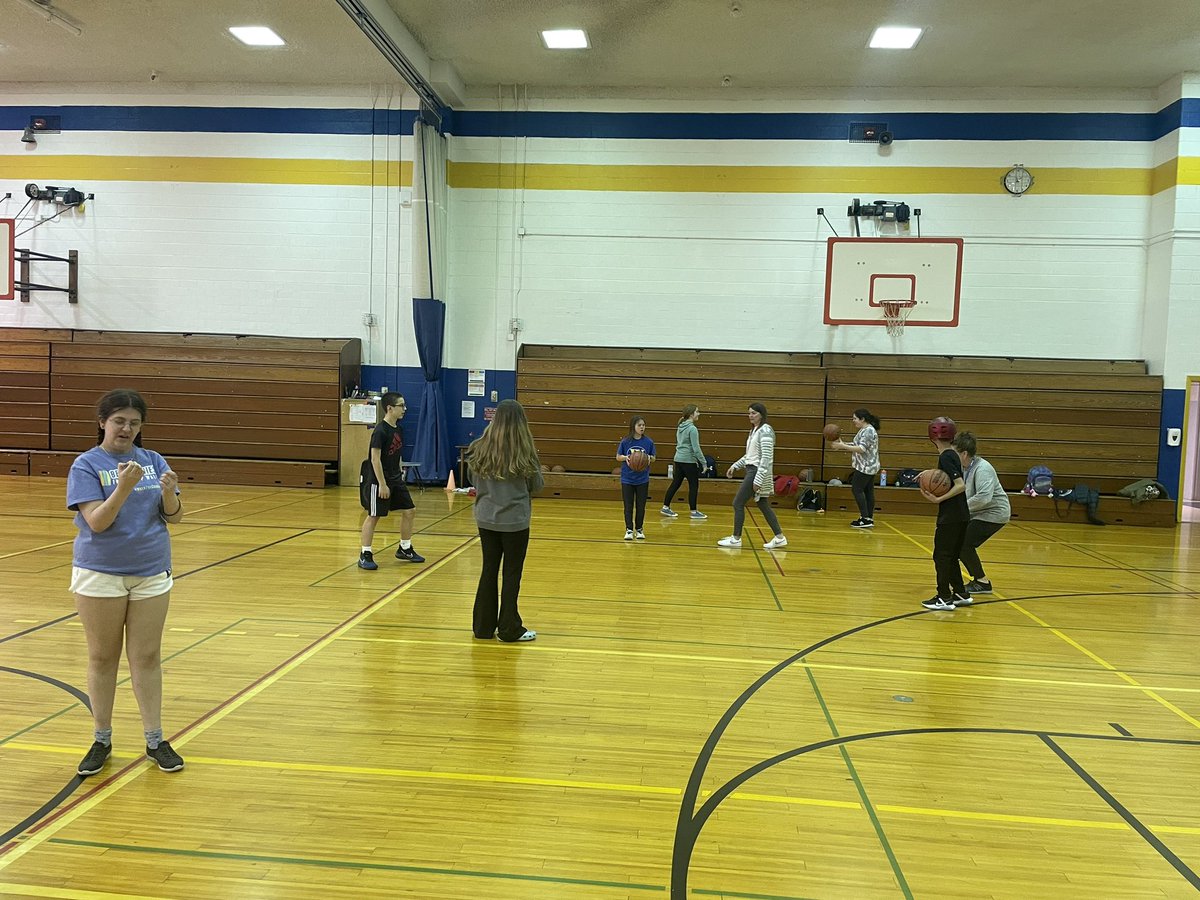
690 471
508 547
630 493
862 486
948 540
977 533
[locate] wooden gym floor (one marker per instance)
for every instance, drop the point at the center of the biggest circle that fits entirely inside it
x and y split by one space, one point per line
346 737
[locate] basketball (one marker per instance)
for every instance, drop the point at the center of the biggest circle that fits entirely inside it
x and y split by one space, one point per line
545 468
558 469
832 432
935 481
639 459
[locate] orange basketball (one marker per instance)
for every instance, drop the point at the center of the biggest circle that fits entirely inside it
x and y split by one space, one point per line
935 481
639 459
832 432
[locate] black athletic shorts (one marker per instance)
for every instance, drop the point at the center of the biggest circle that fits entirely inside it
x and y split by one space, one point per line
368 493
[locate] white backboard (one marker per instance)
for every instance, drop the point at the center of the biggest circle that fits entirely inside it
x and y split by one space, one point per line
861 273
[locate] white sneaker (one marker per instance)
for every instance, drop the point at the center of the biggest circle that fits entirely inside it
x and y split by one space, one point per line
778 541
730 541
629 535
640 536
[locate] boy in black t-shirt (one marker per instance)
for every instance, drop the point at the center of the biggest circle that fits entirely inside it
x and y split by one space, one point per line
953 518
381 487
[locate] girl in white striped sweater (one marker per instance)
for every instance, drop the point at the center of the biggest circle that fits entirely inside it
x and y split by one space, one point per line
759 480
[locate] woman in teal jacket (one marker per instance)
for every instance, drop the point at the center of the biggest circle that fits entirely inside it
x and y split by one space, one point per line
689 462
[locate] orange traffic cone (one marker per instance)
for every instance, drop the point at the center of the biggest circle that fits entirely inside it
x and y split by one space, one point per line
450 486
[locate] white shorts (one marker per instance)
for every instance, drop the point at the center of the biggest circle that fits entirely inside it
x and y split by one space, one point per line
135 587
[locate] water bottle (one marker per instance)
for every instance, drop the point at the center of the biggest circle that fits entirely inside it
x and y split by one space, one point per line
883 477
670 470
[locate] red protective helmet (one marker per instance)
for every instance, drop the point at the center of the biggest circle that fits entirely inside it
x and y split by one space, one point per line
942 429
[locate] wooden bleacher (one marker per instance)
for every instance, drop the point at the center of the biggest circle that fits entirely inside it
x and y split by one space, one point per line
1091 421
579 401
223 409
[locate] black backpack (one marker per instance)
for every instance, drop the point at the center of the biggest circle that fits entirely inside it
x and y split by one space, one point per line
1081 495
907 478
712 467
810 499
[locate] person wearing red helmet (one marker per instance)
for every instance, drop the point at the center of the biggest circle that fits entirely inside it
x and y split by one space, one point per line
953 518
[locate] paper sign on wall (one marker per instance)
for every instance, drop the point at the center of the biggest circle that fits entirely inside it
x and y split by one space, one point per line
489 413
363 413
475 379
468 409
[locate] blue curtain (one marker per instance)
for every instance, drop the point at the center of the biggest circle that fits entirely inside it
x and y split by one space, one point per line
432 446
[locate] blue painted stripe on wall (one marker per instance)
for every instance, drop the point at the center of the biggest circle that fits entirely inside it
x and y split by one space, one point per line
829 126
239 120
667 126
1170 459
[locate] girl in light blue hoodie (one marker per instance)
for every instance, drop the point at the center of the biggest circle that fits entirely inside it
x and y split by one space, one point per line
689 462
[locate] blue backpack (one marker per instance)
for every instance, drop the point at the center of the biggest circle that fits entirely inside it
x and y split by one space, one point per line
1040 482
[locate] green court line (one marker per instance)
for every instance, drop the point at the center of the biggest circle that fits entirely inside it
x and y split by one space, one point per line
350 864
1115 563
125 680
862 791
766 577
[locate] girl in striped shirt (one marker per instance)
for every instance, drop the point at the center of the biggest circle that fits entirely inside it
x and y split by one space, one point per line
865 448
759 480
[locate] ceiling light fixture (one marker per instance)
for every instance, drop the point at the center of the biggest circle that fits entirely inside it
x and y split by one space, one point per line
887 37
565 39
50 14
256 35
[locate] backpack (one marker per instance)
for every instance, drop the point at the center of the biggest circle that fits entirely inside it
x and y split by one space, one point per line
711 463
810 500
786 485
907 478
1142 490
1082 495
1040 482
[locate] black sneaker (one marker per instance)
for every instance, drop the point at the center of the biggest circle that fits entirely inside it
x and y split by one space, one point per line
367 561
863 523
937 603
410 554
168 760
95 759
979 587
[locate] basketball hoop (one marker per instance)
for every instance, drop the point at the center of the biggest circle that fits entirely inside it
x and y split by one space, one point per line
895 313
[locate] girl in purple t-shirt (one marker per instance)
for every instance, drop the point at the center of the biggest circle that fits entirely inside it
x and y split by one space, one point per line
123 496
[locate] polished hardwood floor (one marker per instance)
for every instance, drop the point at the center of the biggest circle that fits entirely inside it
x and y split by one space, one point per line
691 721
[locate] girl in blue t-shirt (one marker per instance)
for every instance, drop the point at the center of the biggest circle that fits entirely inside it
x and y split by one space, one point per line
635 484
123 496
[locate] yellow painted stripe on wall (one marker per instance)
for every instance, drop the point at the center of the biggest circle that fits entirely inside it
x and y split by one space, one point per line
793 179
213 170
1189 170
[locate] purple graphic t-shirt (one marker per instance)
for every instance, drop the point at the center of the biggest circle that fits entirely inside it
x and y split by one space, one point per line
137 542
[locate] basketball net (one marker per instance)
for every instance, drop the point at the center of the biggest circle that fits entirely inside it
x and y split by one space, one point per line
895 314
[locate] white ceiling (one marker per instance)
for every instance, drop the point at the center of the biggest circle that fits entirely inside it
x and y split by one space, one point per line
637 45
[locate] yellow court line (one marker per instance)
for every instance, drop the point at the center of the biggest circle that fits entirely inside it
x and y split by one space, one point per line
36 549
1149 691
62 893
90 802
750 662
333 769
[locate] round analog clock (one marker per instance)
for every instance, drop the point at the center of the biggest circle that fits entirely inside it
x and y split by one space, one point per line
1017 180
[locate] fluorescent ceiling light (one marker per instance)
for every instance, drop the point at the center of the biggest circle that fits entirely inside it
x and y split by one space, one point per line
256 35
565 39
889 38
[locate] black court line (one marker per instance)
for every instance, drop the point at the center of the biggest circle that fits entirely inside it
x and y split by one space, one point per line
71 786
691 819
1147 835
13 637
1117 727
1117 564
